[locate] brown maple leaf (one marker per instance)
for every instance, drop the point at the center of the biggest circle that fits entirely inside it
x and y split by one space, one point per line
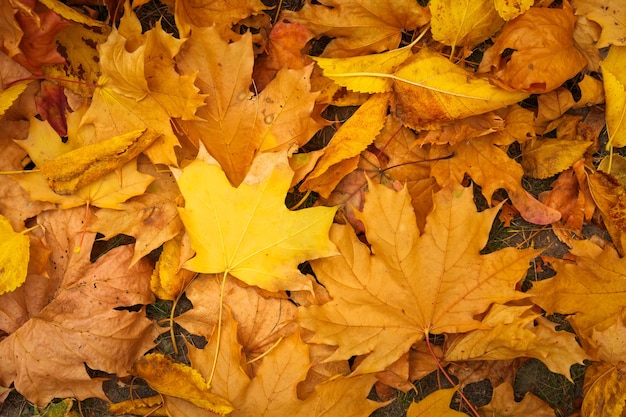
75 317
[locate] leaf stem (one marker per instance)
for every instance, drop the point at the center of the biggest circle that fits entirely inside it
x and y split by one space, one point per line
445 373
219 328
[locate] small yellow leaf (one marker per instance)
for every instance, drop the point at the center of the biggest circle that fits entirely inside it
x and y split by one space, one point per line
140 406
14 256
168 279
430 90
68 172
8 96
464 22
510 9
348 72
614 78
69 13
436 404
179 380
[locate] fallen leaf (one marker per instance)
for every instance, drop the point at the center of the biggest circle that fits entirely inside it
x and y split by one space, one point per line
351 139
609 342
503 403
594 284
14 255
386 300
463 23
11 32
83 313
513 334
511 9
550 50
140 88
179 380
360 27
435 404
150 218
169 280
222 14
610 16
351 72
610 198
9 95
615 91
266 248
491 168
431 90
605 390
544 158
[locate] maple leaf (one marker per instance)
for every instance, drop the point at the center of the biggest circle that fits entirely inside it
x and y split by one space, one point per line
594 284
236 124
503 403
429 90
360 27
512 334
551 49
463 23
247 231
409 285
491 168
435 404
81 309
140 88
151 218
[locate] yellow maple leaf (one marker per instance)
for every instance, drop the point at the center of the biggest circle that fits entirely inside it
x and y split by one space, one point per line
429 90
247 231
14 255
464 23
386 299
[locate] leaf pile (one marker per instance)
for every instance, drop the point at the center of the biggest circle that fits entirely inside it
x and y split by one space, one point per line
190 144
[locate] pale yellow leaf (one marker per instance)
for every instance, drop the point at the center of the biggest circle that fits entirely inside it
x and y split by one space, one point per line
14 256
614 78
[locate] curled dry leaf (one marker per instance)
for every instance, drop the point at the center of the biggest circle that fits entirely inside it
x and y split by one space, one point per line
544 54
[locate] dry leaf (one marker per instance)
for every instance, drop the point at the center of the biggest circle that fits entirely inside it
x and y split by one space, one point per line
550 50
178 380
265 248
544 158
614 78
435 404
83 313
360 27
430 90
511 9
513 334
503 404
605 390
385 301
610 16
463 23
151 218
14 255
610 198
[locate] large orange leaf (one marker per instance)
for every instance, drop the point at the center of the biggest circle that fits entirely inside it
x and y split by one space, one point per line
235 123
247 231
72 318
387 298
541 36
